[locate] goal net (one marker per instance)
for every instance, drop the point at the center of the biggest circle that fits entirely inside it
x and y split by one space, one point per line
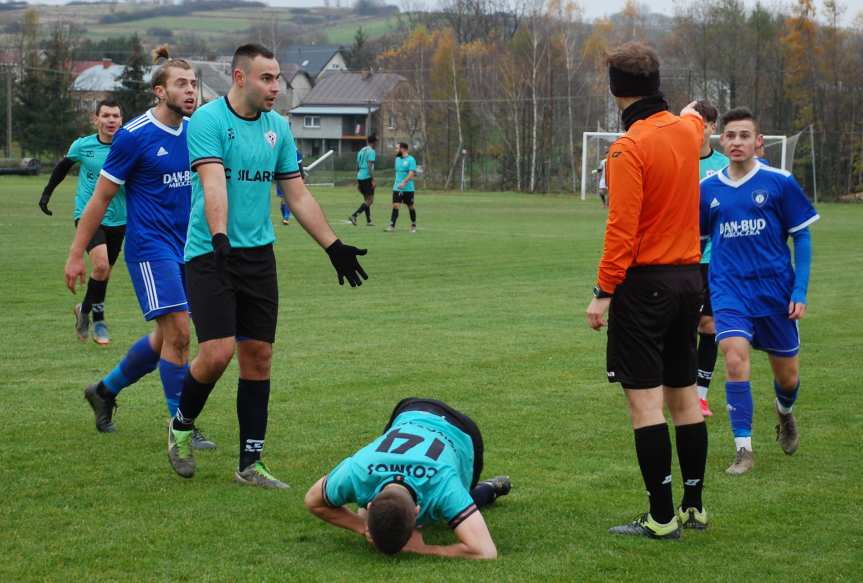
778 150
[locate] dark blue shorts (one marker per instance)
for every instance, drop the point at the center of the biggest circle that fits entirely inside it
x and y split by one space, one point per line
160 287
774 334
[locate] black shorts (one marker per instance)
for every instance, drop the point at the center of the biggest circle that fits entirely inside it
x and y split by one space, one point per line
244 304
652 327
404 196
112 237
366 187
707 306
452 416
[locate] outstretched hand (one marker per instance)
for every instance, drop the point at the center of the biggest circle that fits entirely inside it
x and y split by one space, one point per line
344 260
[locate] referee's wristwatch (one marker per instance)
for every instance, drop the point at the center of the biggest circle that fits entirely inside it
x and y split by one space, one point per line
599 294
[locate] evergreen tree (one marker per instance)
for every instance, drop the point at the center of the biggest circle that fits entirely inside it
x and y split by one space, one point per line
134 94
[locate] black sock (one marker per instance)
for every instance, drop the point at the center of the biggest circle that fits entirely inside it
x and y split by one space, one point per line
95 294
653 447
192 401
394 216
413 216
483 494
253 398
360 210
692 455
368 213
706 358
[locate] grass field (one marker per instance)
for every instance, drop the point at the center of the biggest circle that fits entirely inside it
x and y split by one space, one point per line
482 308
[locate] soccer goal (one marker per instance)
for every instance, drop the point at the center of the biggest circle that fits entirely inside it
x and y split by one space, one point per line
778 150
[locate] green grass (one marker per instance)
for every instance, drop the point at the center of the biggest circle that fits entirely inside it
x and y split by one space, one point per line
483 308
373 28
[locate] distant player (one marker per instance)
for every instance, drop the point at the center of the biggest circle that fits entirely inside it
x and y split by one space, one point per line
366 180
238 146
104 248
150 158
283 205
710 163
602 185
424 468
748 211
403 187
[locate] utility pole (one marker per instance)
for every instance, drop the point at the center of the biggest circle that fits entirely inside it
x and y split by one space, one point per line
9 111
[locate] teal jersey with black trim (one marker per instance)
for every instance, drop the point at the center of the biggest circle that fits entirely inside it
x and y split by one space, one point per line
421 450
365 156
91 153
404 165
708 166
255 153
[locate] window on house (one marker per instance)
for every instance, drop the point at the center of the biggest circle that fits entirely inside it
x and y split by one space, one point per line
392 124
312 121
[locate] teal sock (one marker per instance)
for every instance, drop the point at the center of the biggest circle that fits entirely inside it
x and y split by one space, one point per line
139 361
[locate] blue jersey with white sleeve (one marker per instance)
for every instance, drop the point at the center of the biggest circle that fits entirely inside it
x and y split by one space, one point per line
748 222
151 160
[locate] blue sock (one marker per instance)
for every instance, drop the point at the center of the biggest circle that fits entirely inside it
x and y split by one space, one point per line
286 211
139 361
739 398
785 398
173 376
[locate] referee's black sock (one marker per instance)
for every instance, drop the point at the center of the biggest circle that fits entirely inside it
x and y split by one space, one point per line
483 494
413 216
394 216
653 447
368 213
253 397
95 294
692 454
192 401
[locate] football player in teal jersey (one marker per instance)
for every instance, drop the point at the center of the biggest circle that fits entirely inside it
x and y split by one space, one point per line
104 248
710 163
403 187
238 146
424 468
366 180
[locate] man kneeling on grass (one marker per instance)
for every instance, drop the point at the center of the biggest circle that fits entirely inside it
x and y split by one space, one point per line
424 468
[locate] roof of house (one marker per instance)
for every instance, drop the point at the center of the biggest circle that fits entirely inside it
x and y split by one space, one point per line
215 75
101 78
311 58
352 89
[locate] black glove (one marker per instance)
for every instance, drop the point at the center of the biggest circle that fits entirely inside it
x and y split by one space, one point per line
344 259
221 250
43 204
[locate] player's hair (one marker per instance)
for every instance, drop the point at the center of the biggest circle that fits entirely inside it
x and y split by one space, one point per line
739 114
707 111
404 145
246 53
391 520
108 103
162 58
372 139
635 58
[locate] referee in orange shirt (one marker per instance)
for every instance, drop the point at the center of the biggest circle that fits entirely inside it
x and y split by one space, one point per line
649 277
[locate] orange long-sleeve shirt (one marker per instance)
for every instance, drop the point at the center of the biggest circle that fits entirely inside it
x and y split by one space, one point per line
653 197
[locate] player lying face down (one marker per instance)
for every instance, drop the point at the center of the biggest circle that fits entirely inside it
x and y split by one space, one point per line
423 469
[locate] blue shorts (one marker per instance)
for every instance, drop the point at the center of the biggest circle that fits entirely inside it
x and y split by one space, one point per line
775 334
160 287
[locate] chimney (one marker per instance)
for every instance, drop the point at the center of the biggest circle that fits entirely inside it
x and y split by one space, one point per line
106 62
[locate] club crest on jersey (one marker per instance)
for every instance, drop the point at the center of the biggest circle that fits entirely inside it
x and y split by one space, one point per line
759 197
271 138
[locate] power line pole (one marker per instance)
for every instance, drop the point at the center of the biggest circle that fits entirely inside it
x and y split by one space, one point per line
9 111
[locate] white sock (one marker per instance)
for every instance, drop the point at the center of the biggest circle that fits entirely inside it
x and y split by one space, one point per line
783 409
744 442
702 392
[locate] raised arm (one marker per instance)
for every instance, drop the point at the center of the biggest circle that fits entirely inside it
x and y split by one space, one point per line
93 214
474 542
340 516
60 171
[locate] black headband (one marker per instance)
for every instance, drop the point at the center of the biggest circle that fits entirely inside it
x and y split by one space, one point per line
625 84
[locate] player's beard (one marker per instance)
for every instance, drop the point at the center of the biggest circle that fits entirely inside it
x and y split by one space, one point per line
175 108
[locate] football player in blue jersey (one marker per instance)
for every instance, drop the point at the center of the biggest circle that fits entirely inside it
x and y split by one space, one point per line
239 146
149 157
424 468
104 248
748 211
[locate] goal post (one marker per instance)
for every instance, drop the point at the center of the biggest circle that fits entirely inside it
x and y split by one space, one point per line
594 147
